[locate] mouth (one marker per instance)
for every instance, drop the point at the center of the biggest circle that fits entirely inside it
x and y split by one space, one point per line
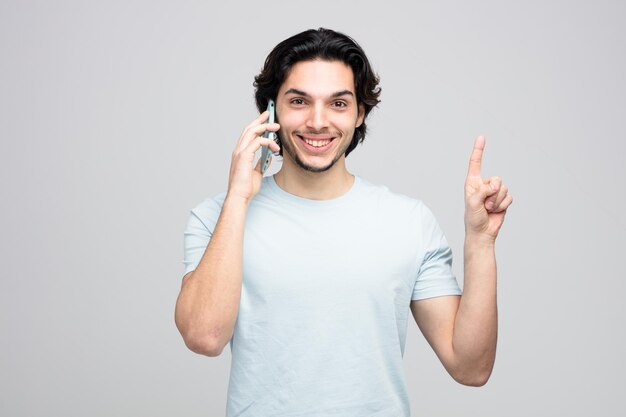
316 143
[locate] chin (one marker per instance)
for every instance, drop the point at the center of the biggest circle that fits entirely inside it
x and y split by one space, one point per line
314 168
322 167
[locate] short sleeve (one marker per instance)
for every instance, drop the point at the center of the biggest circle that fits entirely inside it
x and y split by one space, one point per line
435 277
200 225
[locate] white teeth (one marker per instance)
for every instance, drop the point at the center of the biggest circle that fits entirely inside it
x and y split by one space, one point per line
317 143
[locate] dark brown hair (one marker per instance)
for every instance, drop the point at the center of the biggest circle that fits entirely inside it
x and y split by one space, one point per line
322 44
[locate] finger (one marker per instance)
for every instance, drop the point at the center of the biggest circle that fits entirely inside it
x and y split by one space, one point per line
502 194
248 153
259 141
254 131
482 193
261 118
476 158
508 200
274 147
495 183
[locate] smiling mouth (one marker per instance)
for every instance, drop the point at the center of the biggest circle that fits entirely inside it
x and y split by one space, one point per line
317 142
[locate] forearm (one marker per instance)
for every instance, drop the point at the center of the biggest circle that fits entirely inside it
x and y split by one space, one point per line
207 307
476 324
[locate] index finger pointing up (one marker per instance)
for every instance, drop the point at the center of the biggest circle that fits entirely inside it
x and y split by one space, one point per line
476 158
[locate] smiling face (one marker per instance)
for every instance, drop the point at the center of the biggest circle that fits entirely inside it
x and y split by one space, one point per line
318 112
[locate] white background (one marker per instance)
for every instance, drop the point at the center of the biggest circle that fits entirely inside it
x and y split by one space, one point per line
118 117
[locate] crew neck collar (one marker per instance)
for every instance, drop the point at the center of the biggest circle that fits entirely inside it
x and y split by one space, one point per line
270 182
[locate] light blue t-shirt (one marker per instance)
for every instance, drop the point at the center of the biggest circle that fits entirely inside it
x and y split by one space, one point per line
325 298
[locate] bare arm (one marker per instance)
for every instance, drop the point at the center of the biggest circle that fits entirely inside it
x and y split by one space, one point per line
207 306
208 303
463 330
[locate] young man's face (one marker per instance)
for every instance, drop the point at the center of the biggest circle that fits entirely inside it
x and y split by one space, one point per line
318 112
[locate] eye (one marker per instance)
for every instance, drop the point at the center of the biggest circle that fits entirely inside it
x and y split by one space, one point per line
297 101
340 104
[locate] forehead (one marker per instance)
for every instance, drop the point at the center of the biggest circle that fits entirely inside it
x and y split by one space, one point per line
319 77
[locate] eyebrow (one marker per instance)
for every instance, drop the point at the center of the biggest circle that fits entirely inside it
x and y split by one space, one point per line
334 95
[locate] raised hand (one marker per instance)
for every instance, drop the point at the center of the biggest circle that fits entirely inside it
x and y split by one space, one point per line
486 201
244 180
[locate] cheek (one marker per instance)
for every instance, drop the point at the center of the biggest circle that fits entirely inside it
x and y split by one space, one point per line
348 126
289 120
282 134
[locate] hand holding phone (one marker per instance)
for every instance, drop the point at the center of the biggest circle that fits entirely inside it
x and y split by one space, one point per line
245 177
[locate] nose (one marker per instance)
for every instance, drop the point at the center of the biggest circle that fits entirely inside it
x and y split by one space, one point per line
317 119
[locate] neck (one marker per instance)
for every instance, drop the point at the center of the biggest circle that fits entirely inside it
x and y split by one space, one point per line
325 185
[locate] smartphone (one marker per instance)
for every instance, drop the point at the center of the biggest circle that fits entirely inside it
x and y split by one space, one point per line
266 152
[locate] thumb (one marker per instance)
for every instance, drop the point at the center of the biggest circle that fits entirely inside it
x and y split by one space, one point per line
483 193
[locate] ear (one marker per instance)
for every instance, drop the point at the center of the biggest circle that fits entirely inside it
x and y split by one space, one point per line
361 116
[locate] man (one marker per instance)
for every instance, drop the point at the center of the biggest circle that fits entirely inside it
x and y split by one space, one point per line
309 274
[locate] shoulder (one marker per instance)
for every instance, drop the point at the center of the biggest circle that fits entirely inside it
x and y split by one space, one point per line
209 209
399 210
391 201
211 203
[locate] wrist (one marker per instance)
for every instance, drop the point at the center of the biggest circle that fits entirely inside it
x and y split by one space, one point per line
236 200
480 240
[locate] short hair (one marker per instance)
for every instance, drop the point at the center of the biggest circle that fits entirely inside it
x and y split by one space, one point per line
327 45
